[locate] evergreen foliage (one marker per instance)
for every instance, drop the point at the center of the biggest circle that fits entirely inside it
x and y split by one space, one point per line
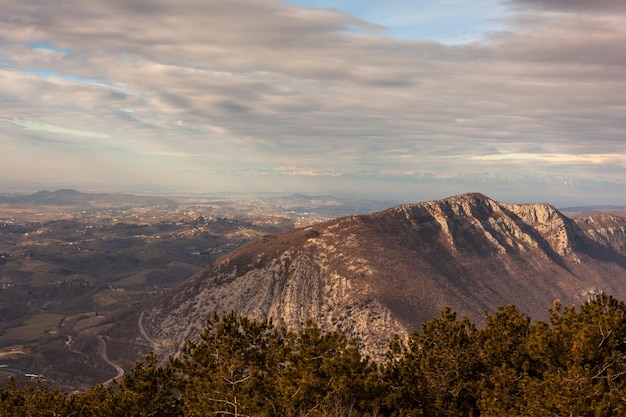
573 364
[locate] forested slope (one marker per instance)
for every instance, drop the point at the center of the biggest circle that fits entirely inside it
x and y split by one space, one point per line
573 364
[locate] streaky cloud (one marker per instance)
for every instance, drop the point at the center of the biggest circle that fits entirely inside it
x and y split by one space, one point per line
45 127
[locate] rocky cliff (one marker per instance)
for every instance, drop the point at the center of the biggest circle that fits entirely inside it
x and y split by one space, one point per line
376 275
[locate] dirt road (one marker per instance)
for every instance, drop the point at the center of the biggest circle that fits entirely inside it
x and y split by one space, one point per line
119 369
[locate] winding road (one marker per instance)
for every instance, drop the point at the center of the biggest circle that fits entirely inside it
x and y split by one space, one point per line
119 369
142 329
156 347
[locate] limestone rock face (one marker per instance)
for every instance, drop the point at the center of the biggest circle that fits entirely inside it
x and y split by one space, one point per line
607 229
377 275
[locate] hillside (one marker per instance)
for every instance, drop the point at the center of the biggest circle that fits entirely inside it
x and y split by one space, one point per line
371 276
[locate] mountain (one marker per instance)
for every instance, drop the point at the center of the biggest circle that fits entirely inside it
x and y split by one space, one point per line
68 197
375 275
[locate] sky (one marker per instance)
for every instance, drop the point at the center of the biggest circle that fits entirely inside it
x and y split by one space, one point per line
522 100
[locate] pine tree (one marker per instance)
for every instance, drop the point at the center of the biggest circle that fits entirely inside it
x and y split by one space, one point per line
32 401
436 372
505 362
324 369
581 356
98 401
149 390
231 369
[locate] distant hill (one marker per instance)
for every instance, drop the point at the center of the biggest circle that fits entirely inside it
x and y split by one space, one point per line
375 275
68 197
327 205
582 210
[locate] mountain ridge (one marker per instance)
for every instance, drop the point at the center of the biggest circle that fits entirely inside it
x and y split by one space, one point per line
71 197
372 276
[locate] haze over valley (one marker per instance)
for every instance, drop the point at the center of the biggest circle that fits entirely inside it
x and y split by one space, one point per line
71 263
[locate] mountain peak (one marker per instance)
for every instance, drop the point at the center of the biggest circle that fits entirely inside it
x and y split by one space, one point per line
471 196
375 275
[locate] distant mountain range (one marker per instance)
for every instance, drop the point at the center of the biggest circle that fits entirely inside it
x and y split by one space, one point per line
376 275
70 197
580 210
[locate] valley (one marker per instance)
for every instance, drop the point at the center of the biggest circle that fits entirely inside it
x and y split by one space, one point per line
73 264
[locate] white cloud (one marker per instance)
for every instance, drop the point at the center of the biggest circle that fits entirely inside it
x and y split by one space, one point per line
557 158
256 85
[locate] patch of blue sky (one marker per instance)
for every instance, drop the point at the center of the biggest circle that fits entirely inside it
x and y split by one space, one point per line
445 21
48 73
50 128
48 46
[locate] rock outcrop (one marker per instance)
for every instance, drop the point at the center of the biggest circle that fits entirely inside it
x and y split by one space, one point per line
376 275
606 229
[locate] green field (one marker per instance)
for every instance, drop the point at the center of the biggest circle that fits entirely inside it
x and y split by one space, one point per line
33 328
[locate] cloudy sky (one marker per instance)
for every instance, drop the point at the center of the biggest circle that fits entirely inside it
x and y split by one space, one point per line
523 100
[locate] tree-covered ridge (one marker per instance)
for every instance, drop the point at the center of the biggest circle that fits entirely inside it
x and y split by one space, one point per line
574 364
